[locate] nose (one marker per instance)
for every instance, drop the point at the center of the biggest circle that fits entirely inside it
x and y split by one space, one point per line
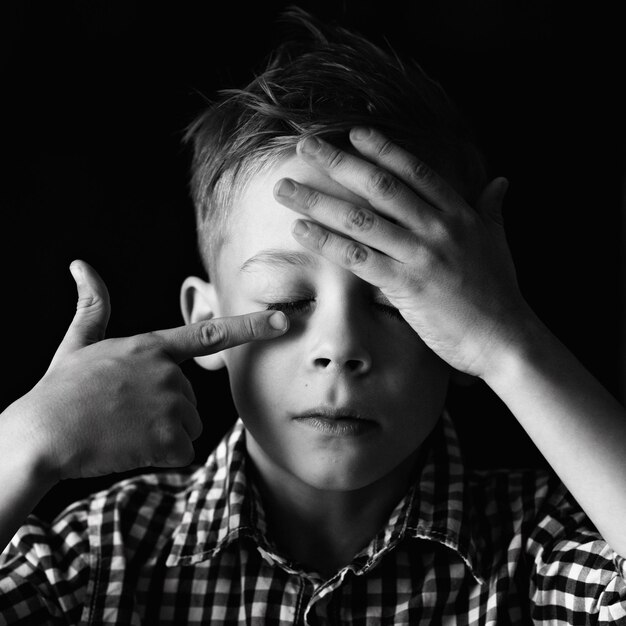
339 343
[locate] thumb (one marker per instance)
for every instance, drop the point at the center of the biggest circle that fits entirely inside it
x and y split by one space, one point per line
92 310
490 202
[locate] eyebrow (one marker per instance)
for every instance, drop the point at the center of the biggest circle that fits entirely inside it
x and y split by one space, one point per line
279 259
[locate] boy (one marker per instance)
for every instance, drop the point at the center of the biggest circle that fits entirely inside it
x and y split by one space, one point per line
340 496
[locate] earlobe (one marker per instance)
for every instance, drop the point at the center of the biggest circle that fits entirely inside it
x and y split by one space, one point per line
199 302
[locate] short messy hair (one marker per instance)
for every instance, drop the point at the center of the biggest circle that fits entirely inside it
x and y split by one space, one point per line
322 81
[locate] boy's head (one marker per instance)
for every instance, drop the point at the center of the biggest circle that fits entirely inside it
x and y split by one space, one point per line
322 82
346 353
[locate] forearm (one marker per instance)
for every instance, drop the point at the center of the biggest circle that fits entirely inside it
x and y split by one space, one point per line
575 423
23 480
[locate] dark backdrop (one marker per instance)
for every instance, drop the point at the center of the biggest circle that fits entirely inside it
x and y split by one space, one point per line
95 96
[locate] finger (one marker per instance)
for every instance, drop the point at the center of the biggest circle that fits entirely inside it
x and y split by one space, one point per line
373 267
92 310
407 168
176 451
210 336
190 419
359 223
381 188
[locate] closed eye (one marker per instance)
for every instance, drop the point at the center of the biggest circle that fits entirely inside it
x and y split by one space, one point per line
301 306
292 306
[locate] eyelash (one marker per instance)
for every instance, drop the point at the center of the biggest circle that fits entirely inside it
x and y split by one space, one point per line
299 306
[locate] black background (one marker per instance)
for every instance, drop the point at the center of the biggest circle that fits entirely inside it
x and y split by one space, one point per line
94 97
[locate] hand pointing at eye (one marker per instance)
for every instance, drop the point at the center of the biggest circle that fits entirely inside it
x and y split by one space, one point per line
111 405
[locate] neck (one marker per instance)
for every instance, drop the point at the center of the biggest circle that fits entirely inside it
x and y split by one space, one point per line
323 529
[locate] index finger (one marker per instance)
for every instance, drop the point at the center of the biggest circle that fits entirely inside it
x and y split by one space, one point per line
210 336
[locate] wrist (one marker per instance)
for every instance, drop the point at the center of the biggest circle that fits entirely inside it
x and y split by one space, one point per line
22 447
522 346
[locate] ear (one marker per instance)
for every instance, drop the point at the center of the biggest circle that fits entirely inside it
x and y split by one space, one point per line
198 302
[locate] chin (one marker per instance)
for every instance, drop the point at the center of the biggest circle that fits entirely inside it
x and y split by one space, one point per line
338 477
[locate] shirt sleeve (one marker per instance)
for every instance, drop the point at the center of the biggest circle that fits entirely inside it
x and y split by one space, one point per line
576 578
45 571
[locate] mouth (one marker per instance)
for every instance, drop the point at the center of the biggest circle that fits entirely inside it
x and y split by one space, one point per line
341 422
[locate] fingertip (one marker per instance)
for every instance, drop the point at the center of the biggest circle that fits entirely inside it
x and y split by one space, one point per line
503 184
360 133
77 271
279 321
300 228
308 145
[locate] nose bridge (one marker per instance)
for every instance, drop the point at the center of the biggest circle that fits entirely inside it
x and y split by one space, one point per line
340 337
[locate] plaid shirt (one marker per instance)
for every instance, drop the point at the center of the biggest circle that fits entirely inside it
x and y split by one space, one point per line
189 547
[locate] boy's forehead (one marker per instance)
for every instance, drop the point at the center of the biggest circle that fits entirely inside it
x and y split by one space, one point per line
296 168
258 222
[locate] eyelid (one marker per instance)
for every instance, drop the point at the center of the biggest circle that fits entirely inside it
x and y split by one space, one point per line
290 306
301 305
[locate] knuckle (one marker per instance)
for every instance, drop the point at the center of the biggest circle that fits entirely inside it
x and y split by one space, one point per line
212 334
166 436
439 231
419 172
359 219
432 262
384 148
311 198
182 456
172 447
251 327
383 184
137 343
354 254
89 301
335 158
323 241
168 376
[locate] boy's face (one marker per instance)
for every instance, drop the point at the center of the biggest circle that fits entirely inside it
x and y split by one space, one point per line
344 354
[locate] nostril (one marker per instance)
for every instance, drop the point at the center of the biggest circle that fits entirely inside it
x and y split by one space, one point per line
322 362
350 365
353 365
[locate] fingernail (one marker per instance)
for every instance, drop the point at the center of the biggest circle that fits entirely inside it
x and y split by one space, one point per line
300 228
285 188
279 321
310 145
361 132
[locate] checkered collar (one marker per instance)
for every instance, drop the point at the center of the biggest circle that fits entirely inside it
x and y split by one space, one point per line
223 506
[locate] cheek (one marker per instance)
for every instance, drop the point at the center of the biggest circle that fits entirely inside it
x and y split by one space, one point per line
258 374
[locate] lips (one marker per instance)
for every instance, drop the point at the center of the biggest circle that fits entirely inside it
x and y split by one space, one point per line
336 421
332 413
